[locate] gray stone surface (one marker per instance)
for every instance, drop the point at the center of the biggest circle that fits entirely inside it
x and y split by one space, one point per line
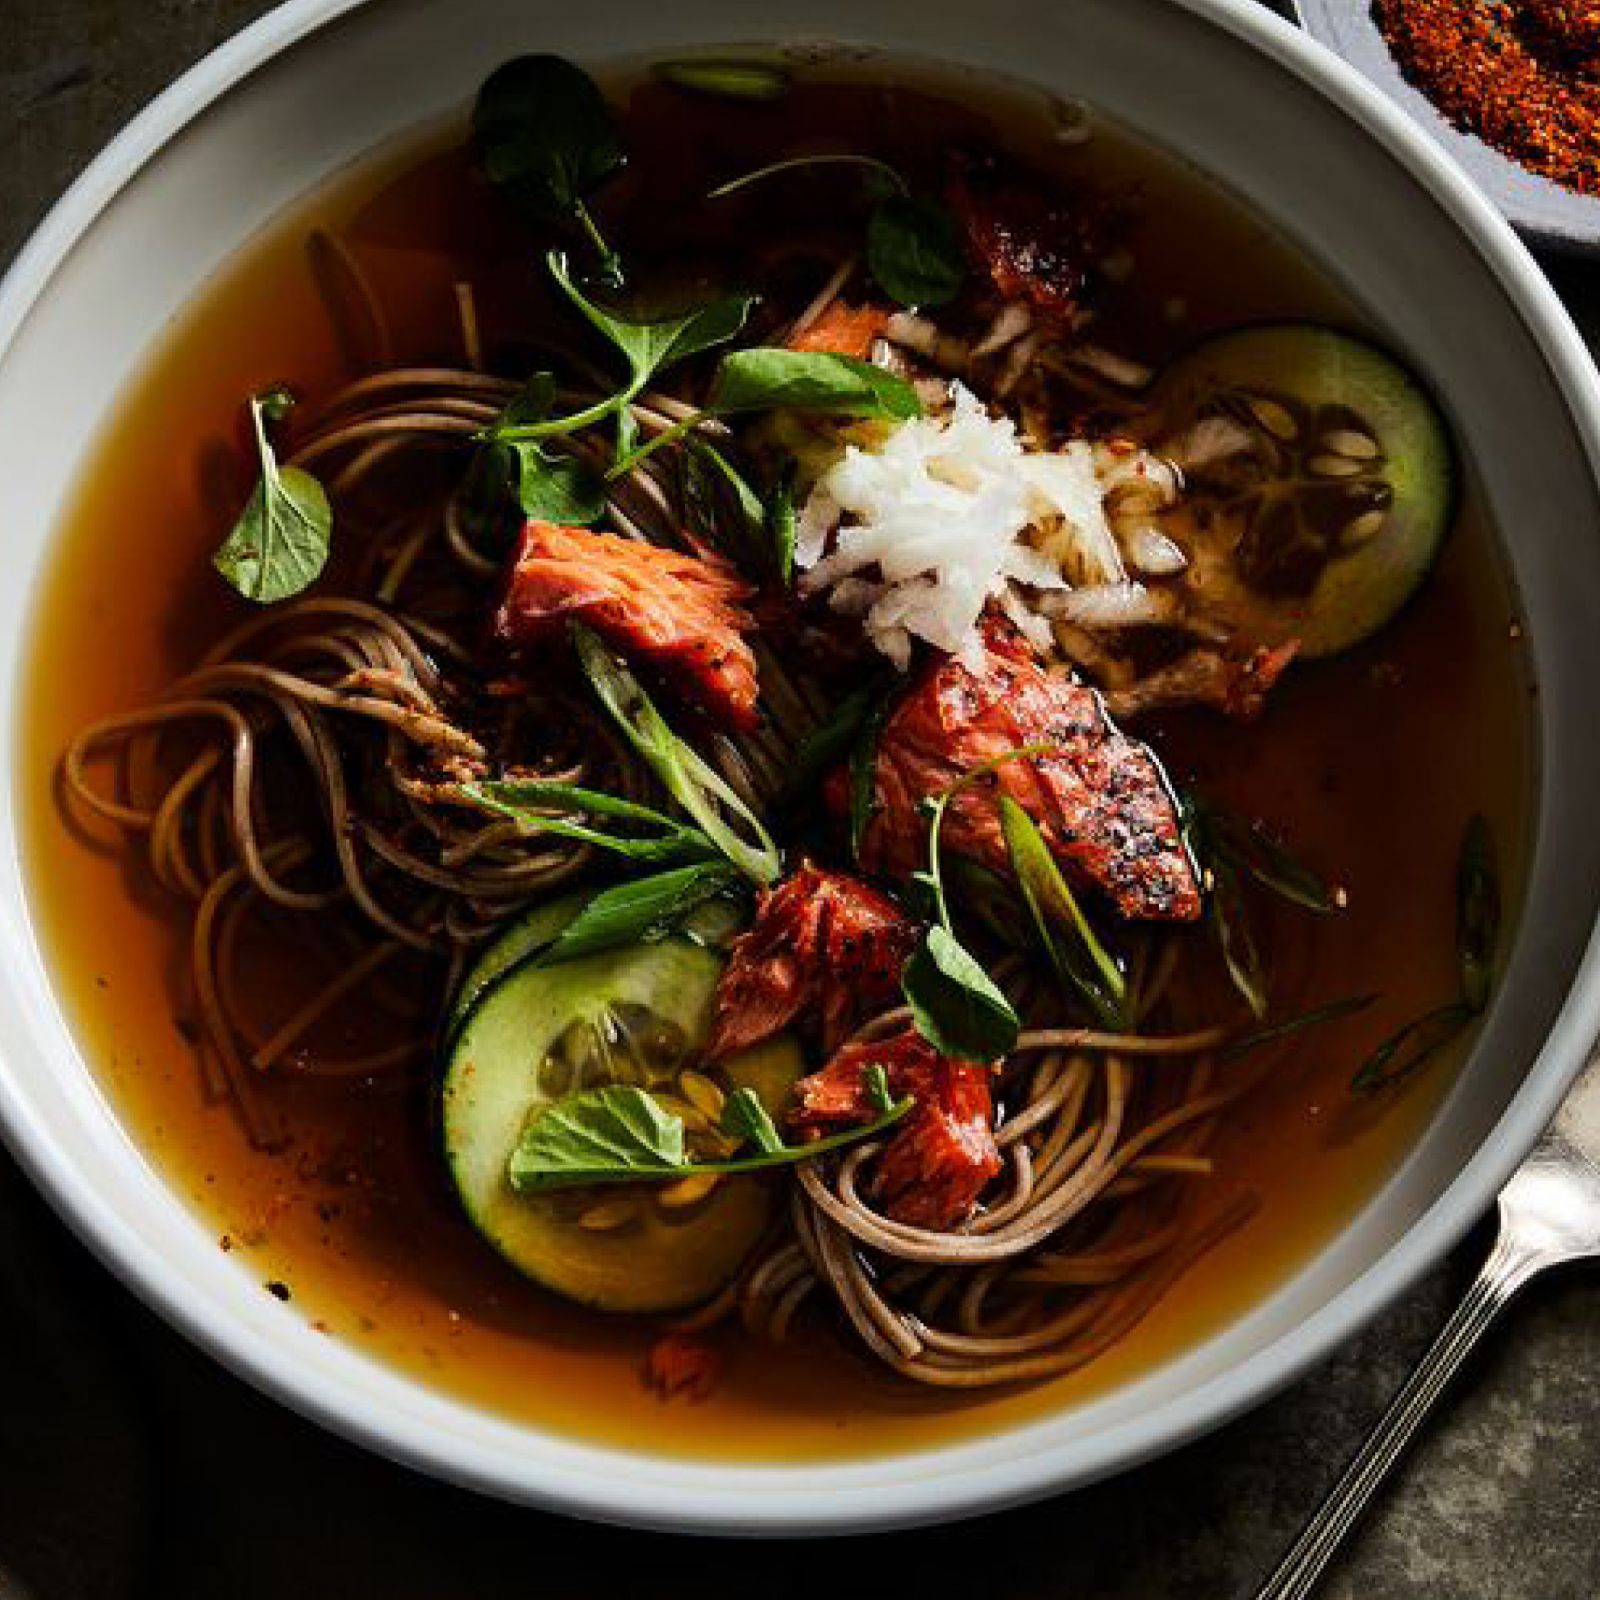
131 1466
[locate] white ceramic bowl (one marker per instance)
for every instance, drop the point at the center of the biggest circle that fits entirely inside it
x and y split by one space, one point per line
1318 151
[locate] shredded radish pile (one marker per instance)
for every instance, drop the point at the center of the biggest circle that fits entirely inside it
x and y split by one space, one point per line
950 513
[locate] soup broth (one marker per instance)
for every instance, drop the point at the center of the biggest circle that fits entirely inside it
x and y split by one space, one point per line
1360 760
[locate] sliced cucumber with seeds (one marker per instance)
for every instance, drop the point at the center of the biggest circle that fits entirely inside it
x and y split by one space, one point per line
1323 479
522 938
639 1015
531 936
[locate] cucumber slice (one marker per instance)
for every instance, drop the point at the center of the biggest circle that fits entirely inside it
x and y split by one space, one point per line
530 936
638 1015
1330 516
533 931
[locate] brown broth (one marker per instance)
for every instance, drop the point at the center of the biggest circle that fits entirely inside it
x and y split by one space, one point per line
1362 761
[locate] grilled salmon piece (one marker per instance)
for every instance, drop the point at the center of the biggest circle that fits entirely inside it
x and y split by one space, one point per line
680 615
1098 797
1236 685
943 1155
823 944
843 330
1034 247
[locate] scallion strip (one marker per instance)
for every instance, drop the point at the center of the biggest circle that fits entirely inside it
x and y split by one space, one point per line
702 791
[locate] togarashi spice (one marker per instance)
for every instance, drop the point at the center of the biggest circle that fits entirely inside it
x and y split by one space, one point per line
1523 75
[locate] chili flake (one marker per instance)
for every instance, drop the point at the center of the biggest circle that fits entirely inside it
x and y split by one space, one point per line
1523 77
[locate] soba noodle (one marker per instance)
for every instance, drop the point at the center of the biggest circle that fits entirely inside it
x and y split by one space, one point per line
308 770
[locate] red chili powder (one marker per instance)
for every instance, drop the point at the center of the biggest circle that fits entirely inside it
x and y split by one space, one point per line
1522 77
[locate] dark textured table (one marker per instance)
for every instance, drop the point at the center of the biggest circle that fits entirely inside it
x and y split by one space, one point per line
132 1466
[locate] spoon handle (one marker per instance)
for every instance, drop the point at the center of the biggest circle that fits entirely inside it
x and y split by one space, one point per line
1511 1263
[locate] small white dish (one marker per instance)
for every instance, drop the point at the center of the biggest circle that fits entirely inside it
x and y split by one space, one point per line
1545 213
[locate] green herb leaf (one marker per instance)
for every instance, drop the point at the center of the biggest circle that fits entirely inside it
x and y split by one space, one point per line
615 1132
487 501
828 744
766 377
531 403
725 79
914 251
621 1135
1410 1048
555 487
651 347
1076 953
782 522
546 139
643 911
745 1118
720 504
1230 923
647 347
1477 914
276 404
923 893
864 772
541 807
1275 868
702 791
763 378
954 1002
1217 834
547 485
876 1082
1315 1018
281 542
956 1005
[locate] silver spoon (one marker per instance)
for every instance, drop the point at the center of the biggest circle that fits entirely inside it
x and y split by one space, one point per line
1549 1214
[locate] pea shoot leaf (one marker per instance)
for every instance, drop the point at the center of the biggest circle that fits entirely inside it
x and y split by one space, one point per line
914 251
957 1006
648 347
614 1132
283 537
546 140
544 483
620 1134
745 1118
764 377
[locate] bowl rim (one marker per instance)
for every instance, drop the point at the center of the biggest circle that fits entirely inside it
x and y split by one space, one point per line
689 1496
